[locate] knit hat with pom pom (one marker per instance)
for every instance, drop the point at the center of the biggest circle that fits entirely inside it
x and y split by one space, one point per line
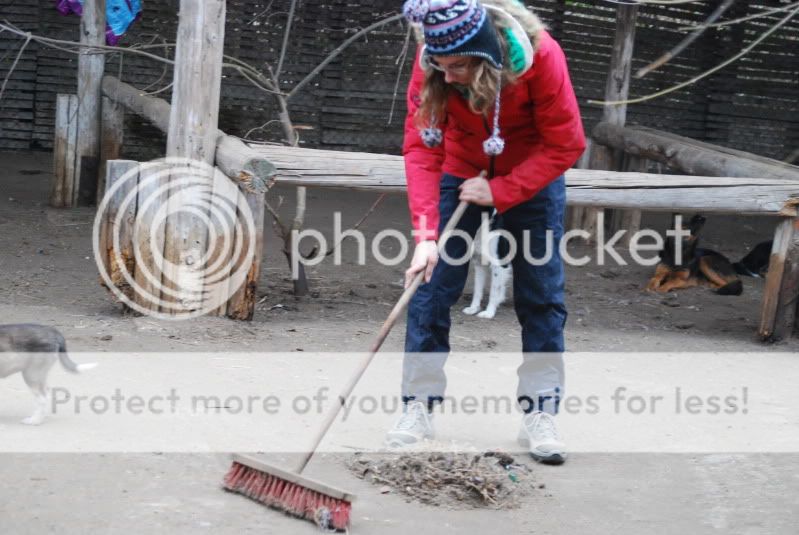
458 28
455 28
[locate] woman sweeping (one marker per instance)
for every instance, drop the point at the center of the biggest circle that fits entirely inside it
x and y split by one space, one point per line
492 120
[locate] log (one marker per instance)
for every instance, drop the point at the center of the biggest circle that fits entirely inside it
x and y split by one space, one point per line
155 110
192 135
91 65
690 156
237 160
64 151
112 128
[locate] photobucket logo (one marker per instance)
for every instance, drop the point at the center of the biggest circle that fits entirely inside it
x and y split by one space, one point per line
173 238
537 248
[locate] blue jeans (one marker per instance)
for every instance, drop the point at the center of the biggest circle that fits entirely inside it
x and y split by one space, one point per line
538 299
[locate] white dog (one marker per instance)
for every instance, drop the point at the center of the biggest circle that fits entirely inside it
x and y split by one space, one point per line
32 350
485 260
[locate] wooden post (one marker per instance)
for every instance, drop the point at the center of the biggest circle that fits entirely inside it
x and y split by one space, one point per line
246 167
90 75
66 129
779 311
192 134
118 221
630 220
576 214
618 83
112 127
617 88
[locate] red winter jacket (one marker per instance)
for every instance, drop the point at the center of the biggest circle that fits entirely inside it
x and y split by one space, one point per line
539 120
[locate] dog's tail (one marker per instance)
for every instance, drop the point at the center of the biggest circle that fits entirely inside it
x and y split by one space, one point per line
755 263
68 363
736 287
741 269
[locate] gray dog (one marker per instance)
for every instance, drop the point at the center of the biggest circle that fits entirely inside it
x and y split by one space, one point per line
33 349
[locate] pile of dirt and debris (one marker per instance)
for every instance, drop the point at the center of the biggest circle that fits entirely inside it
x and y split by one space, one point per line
459 480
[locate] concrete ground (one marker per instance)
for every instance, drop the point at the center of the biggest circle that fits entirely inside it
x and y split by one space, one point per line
592 493
47 275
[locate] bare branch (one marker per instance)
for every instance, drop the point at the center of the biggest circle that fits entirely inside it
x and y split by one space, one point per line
167 86
654 2
682 45
72 47
358 224
401 63
339 50
285 45
707 73
263 126
742 19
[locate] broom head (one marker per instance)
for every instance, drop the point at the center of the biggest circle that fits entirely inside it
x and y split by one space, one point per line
290 492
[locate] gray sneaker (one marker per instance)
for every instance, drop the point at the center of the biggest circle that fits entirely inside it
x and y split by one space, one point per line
414 425
539 434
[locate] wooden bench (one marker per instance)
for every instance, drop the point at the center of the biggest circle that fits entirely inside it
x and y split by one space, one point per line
777 198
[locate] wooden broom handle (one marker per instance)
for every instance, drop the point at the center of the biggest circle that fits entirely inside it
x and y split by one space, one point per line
331 415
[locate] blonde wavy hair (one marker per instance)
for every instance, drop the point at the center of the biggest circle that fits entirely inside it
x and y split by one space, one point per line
483 84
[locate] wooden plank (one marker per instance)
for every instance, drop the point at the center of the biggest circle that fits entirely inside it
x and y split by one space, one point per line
223 219
777 268
70 160
577 213
60 152
241 305
787 314
91 65
645 191
630 219
153 181
112 127
117 229
193 121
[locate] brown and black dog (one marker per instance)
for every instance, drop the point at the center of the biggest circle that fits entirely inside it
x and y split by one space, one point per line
697 266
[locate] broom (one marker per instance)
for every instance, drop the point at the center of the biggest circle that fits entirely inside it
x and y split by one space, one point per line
301 496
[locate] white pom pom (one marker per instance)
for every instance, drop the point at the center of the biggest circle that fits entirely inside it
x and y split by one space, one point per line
494 145
416 10
432 137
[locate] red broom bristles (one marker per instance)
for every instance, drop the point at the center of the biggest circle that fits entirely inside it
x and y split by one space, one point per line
294 499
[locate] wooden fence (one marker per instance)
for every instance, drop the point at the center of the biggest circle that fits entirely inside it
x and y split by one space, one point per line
752 105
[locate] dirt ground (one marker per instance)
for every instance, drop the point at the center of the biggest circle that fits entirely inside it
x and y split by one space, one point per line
47 275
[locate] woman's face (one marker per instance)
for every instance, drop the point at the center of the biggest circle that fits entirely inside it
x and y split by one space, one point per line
456 69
